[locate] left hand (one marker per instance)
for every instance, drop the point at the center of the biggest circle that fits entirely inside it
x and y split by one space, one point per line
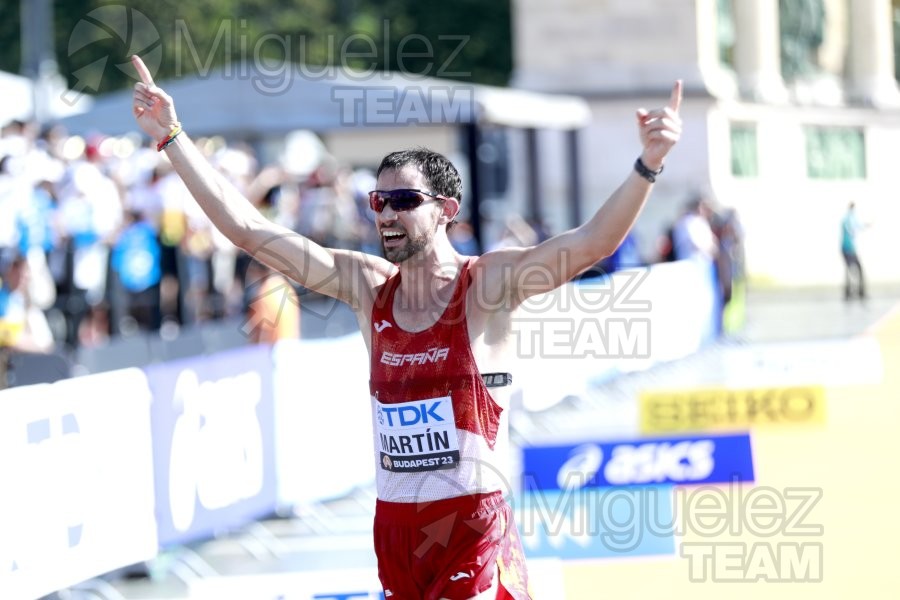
660 129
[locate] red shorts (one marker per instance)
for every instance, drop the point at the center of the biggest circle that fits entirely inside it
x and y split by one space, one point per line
449 548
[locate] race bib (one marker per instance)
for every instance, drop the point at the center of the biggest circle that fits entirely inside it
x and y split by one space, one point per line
417 436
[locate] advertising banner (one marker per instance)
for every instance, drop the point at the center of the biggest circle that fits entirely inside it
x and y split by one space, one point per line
77 476
720 408
213 442
676 460
585 333
324 425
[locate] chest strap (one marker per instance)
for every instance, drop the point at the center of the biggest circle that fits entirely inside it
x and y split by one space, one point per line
493 380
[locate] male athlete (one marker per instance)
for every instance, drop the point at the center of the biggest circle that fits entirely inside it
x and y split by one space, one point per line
437 327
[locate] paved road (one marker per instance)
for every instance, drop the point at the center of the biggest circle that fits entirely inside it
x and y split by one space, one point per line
813 313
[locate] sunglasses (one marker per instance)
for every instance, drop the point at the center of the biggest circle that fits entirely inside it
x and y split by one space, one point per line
399 200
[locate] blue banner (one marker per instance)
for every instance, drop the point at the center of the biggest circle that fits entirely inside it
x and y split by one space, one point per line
213 443
647 461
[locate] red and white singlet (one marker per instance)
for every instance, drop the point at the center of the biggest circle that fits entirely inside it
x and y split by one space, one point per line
437 430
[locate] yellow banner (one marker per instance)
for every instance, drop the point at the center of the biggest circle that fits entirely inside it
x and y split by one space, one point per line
723 408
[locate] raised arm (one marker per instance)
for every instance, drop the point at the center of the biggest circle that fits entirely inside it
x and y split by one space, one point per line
336 273
548 265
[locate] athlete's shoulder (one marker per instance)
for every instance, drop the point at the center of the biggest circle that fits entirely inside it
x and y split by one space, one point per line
494 266
375 269
500 256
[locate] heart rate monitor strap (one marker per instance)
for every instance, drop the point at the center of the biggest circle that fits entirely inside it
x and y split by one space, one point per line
493 380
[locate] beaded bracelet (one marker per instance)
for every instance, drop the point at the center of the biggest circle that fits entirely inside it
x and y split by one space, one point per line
176 129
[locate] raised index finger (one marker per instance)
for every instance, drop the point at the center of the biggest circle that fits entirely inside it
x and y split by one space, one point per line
675 98
141 68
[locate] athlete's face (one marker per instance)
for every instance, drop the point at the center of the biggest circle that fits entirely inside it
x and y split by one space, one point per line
406 233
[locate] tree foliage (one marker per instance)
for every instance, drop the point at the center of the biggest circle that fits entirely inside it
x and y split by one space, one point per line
11 57
459 39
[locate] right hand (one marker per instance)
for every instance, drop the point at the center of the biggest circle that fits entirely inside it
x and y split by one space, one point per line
153 108
660 129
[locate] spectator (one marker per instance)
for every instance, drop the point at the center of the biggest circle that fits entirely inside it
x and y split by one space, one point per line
91 211
692 236
37 241
665 245
626 256
136 262
173 197
23 326
850 227
94 329
729 258
273 308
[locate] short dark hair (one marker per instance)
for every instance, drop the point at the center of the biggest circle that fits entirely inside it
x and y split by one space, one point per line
440 174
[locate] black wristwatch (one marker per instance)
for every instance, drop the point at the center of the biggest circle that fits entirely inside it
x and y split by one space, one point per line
645 172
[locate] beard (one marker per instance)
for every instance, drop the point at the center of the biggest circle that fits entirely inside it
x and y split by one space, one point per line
406 251
412 246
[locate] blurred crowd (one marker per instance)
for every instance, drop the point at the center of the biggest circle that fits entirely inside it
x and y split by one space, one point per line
99 237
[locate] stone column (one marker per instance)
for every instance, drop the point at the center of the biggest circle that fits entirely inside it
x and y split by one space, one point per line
870 65
757 55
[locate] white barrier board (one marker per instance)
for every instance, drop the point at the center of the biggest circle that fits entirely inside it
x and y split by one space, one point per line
77 479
